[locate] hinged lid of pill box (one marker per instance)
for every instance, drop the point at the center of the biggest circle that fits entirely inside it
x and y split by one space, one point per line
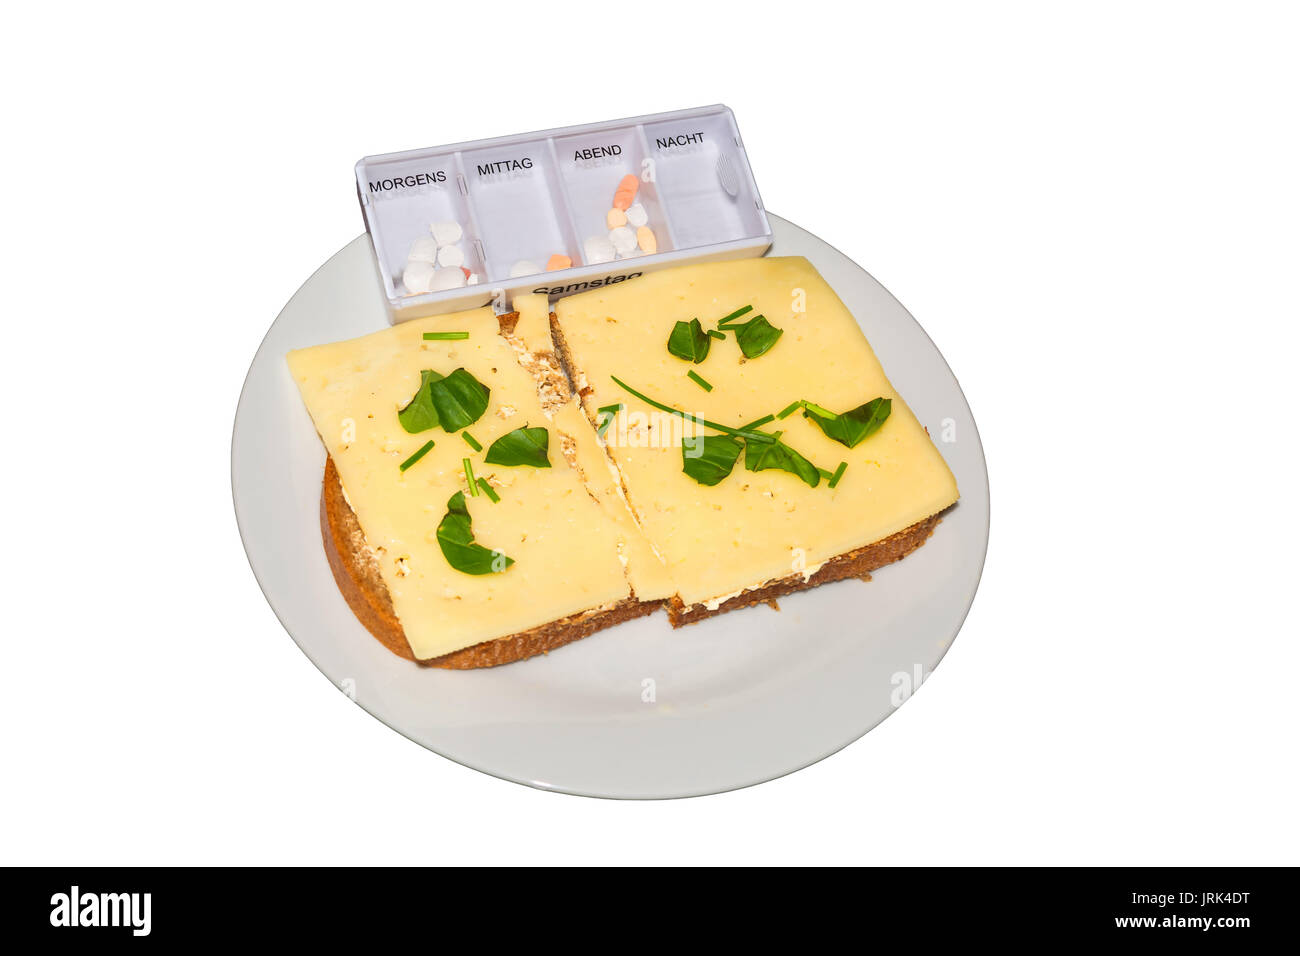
559 211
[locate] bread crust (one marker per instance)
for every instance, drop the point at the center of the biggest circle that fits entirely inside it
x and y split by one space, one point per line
356 572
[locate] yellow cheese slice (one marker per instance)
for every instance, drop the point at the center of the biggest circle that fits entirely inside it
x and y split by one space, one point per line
533 329
752 527
565 547
646 571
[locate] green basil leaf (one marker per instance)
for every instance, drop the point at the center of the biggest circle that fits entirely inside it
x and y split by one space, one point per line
419 415
523 446
460 400
456 539
851 427
689 341
709 458
757 336
761 457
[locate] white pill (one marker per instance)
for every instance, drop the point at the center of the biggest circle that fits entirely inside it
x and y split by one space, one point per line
446 233
624 239
637 216
598 249
473 279
447 278
524 268
416 277
449 256
423 250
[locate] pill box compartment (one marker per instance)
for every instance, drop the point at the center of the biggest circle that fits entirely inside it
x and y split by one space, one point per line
403 196
699 166
524 199
513 192
593 164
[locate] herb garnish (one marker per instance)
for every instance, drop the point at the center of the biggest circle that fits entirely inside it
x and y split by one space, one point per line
489 491
699 380
839 473
445 336
452 402
851 427
460 400
714 334
790 409
424 450
469 476
607 415
747 434
756 336
523 446
709 458
762 450
471 441
782 456
456 539
419 414
689 341
735 315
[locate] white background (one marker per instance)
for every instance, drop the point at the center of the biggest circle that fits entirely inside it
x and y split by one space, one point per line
1093 209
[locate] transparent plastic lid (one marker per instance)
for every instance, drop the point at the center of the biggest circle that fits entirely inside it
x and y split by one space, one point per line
559 211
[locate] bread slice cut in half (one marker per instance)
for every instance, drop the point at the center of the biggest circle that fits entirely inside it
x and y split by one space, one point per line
459 521
760 445
356 571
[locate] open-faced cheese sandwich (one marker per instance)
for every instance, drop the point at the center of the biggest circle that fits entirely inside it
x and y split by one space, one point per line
736 440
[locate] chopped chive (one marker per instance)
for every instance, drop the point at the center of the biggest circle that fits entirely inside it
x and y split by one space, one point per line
444 336
469 476
823 412
825 474
735 315
757 423
760 437
471 441
424 450
714 334
487 490
613 409
839 473
698 380
789 409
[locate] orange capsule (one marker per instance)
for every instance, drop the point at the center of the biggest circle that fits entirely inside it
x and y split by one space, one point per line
645 238
558 262
626 192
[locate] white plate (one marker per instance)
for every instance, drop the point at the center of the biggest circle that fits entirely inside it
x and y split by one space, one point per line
737 700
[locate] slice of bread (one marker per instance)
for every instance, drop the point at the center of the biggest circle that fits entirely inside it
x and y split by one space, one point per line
356 572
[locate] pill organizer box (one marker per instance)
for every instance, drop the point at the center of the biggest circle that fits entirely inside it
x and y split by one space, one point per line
496 209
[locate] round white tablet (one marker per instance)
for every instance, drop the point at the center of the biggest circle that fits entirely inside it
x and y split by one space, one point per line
446 233
637 216
447 278
623 238
451 256
416 277
423 250
598 249
524 268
